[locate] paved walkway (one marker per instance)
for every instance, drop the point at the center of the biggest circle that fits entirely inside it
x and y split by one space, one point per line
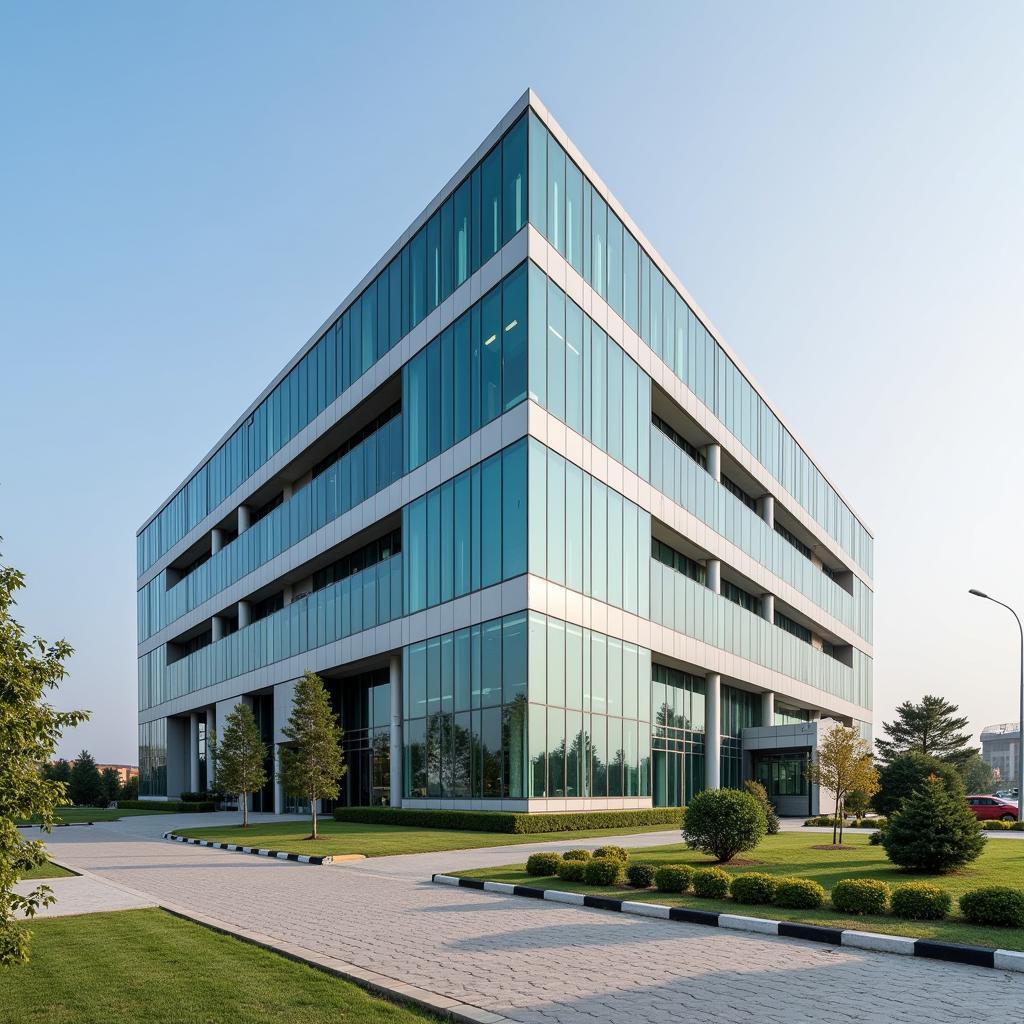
84 895
528 960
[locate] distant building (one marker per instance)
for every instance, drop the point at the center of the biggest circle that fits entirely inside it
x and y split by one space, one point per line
124 771
1000 749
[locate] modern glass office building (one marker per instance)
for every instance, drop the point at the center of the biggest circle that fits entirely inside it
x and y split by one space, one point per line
522 508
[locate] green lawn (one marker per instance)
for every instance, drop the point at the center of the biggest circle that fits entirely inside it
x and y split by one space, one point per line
792 853
48 870
146 965
342 837
74 814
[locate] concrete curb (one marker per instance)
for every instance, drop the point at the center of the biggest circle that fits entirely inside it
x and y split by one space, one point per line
58 824
977 956
300 858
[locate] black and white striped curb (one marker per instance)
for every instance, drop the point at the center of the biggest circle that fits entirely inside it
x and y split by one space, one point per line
978 956
302 858
56 824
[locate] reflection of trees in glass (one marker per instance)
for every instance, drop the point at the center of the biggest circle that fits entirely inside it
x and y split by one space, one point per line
490 752
615 770
438 739
447 754
514 743
598 769
380 747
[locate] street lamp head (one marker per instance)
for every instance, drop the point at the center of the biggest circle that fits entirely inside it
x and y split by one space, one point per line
977 593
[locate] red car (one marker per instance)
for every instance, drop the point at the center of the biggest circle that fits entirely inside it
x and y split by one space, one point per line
986 808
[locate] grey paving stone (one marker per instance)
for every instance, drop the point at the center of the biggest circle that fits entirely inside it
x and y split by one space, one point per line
530 960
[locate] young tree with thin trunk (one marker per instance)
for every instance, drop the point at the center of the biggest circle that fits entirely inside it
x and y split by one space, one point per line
241 757
842 764
30 729
312 763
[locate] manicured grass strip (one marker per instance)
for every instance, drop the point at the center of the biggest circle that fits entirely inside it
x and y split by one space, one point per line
74 815
147 965
48 870
341 837
793 853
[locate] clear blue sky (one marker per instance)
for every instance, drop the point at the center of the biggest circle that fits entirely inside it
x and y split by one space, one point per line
188 189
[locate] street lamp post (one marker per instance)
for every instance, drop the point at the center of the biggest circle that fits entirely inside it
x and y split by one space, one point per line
1020 720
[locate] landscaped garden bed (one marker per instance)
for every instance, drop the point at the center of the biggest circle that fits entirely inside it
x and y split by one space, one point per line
792 857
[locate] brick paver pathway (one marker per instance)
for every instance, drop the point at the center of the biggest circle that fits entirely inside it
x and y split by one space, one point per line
530 960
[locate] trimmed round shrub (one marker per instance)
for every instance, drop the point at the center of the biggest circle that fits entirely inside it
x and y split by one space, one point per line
543 863
994 904
920 901
799 893
572 870
753 887
875 839
934 831
724 822
602 871
711 883
860 896
673 878
576 855
618 853
641 876
995 825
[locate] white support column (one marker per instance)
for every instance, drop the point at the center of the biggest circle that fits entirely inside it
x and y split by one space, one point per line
278 788
768 607
211 725
768 708
284 700
244 614
713 575
395 679
766 509
193 750
216 540
713 731
713 454
244 518
217 628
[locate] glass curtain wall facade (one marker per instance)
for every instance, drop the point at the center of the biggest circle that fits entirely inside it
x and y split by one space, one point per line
450 542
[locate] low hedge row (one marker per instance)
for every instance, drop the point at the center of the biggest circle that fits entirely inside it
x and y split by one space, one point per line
180 806
827 821
511 822
915 901
1003 826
